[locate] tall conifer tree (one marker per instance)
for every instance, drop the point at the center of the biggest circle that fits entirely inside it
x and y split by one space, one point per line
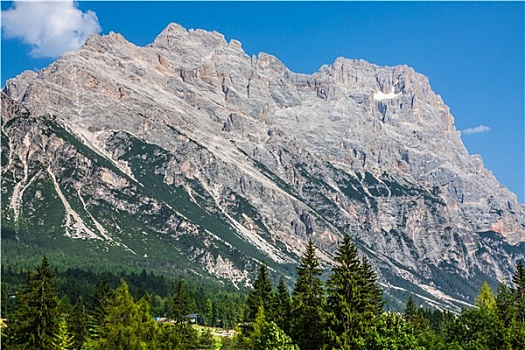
485 298
283 307
344 298
519 291
77 323
34 324
180 308
63 339
180 304
372 293
127 325
519 301
99 303
261 295
354 299
505 306
410 310
308 314
414 316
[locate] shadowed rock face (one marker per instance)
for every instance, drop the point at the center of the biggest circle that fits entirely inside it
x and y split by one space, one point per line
229 160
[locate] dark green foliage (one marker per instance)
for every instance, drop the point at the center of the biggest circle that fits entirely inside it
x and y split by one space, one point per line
437 319
308 305
207 312
354 299
282 307
127 325
99 304
35 321
169 339
475 329
507 313
372 293
260 295
505 306
519 292
180 305
391 332
180 308
494 324
228 343
273 338
351 317
415 317
225 303
206 341
410 310
78 324
510 309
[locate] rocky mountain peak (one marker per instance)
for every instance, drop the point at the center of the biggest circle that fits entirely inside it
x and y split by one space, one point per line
188 48
175 35
105 43
228 160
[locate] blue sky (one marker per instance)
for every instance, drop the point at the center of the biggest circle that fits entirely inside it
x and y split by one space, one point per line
472 52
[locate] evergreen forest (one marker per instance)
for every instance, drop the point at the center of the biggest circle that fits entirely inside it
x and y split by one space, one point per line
46 308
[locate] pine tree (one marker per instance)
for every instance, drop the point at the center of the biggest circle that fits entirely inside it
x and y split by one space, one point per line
505 306
149 330
258 323
485 298
273 338
180 304
99 304
208 307
127 325
168 338
260 295
78 324
414 317
63 339
344 298
477 329
283 307
179 310
507 315
206 341
410 310
372 293
34 323
64 307
519 291
391 332
354 298
308 315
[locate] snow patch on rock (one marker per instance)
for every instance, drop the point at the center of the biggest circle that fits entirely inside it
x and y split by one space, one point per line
380 95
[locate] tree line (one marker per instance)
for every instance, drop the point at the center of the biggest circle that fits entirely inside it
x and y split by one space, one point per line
216 305
345 312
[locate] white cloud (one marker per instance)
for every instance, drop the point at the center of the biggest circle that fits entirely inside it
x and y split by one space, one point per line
50 27
476 130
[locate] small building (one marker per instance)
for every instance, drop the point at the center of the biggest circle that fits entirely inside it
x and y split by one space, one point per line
192 318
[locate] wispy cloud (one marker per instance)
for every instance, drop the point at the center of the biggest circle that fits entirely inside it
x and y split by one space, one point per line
50 27
476 130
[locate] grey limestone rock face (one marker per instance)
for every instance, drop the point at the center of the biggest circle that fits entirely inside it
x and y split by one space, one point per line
280 158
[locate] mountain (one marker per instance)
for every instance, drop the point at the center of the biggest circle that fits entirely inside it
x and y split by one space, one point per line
187 155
